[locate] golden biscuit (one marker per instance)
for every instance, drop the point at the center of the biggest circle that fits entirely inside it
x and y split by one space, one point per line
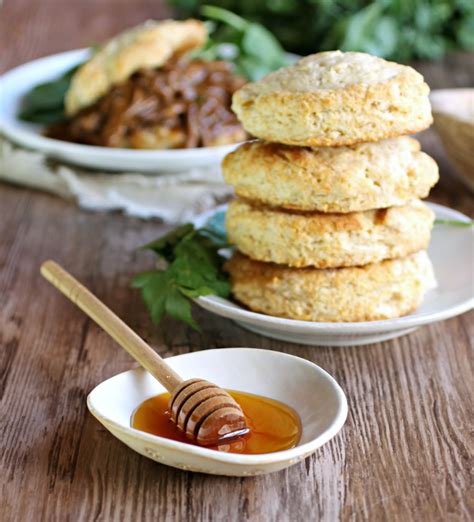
327 179
328 240
331 99
372 292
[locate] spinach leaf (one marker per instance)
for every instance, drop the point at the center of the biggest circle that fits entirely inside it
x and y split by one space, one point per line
45 102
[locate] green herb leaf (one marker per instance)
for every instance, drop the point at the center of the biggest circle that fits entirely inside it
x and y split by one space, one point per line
454 222
45 102
143 279
178 307
251 68
43 117
154 296
225 16
465 32
256 52
258 42
384 38
399 30
194 268
359 26
164 246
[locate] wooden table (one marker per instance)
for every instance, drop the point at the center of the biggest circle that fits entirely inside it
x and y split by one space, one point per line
404 453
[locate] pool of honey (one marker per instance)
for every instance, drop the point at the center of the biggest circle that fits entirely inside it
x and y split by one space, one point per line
274 426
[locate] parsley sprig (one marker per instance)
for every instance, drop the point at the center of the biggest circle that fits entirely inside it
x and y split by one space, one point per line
454 223
193 267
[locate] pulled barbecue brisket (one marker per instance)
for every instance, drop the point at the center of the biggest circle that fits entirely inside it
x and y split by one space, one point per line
180 105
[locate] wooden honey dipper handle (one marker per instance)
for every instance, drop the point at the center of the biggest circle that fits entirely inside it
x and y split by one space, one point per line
112 324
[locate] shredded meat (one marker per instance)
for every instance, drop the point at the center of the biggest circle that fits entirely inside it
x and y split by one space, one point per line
181 105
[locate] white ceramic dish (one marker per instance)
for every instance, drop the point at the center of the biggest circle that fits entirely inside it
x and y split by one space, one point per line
312 392
452 253
17 82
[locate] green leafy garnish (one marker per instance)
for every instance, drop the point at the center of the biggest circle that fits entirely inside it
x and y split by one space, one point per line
193 268
250 46
45 102
400 30
454 222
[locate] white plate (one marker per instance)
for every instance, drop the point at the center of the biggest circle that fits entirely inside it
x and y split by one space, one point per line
452 253
17 82
312 392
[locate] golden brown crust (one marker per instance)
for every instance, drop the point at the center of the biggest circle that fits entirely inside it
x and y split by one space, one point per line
326 240
335 99
149 45
372 292
325 179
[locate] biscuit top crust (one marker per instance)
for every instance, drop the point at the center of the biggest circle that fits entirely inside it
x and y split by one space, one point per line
329 71
145 46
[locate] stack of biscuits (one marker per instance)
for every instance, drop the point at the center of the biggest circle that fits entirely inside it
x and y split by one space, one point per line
328 224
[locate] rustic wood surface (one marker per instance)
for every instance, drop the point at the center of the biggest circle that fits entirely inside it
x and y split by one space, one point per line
404 454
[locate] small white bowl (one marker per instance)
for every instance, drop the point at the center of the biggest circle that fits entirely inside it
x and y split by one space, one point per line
307 388
15 83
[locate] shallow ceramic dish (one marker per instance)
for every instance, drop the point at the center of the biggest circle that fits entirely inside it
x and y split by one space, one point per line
452 253
312 392
453 112
17 82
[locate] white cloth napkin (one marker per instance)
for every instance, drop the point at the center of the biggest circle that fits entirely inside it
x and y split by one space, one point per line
173 197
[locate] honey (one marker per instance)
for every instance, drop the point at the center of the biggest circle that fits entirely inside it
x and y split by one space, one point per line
274 426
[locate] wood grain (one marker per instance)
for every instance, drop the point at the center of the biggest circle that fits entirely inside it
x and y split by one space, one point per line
118 330
404 454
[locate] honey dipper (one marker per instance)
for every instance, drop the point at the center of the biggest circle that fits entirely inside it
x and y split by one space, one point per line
207 414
